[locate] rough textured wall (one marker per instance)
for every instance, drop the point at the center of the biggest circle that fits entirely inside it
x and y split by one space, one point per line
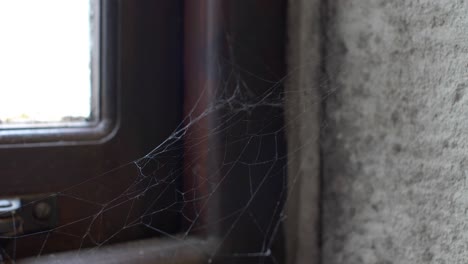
395 150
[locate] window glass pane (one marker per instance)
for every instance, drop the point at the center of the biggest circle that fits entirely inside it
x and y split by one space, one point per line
45 62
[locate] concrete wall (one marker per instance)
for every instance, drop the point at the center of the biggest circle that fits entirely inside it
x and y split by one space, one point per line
395 149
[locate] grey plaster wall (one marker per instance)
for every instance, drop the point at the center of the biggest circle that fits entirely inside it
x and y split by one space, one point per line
395 147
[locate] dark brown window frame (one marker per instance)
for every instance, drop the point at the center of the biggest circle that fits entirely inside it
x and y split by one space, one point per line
133 41
141 77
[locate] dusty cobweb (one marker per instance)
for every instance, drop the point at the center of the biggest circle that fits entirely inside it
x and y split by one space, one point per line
228 184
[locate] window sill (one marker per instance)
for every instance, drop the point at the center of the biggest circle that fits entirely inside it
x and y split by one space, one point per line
157 250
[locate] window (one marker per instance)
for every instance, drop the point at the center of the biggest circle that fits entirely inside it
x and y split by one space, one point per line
58 81
49 63
180 163
140 99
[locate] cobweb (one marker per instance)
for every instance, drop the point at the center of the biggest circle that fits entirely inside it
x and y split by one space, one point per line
228 184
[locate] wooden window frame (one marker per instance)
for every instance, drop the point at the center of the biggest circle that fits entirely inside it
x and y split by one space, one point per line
141 79
165 45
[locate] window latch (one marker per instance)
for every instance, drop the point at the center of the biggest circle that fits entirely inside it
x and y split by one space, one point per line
27 214
10 223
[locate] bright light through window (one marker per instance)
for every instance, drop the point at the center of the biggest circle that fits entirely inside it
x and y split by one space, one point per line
45 62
